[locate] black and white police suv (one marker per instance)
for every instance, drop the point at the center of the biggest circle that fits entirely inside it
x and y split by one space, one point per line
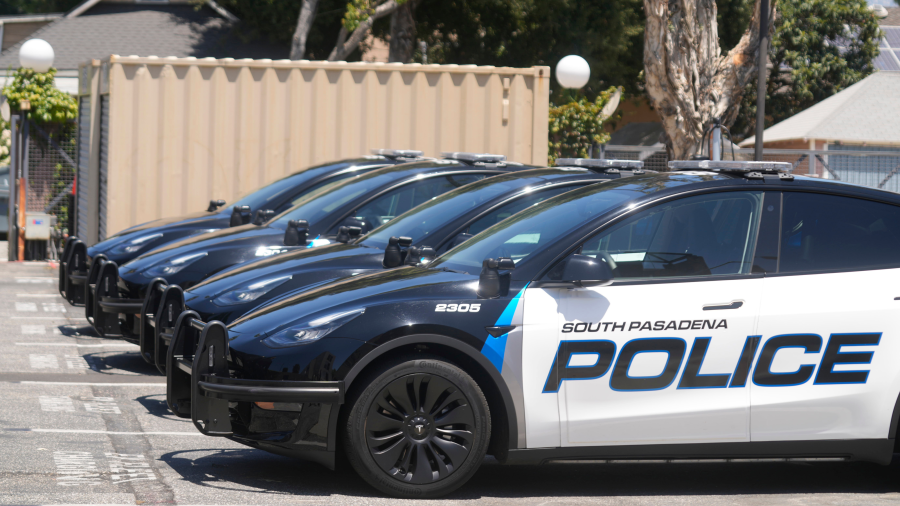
276 197
337 212
719 311
418 235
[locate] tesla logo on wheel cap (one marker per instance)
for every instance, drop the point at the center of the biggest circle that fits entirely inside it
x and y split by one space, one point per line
420 429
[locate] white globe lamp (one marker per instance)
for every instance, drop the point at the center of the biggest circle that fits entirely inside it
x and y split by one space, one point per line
36 54
573 72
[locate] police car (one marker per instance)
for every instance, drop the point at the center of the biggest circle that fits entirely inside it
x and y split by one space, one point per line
279 196
338 212
723 311
421 233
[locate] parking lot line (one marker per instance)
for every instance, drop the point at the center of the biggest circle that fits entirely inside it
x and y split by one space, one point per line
114 433
129 345
60 318
160 384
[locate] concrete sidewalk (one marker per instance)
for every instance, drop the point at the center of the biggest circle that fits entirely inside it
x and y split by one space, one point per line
4 251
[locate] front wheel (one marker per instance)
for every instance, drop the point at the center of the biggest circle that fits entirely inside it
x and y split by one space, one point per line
419 429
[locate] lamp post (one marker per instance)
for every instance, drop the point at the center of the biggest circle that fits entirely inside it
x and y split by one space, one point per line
38 55
573 72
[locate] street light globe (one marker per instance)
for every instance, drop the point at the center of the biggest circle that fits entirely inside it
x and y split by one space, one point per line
573 72
36 54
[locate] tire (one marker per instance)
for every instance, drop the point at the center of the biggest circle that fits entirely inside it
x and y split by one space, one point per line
420 428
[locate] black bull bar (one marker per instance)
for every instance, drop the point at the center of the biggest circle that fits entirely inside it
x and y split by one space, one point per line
73 271
199 385
102 304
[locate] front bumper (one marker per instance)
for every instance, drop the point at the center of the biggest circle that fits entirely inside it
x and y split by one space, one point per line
286 417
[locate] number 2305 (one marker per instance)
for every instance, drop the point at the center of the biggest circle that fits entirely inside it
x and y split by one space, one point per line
458 308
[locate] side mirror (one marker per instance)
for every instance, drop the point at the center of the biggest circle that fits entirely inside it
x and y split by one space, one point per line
426 255
296 233
345 234
354 222
489 280
459 239
240 215
262 216
215 204
586 271
393 256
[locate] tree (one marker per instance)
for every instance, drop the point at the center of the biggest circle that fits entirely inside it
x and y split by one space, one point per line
577 126
357 23
403 33
304 24
689 81
819 48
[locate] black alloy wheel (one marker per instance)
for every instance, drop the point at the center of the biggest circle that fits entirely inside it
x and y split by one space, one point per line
420 429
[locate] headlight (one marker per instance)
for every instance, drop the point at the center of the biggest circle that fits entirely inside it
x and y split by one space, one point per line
311 331
248 292
135 245
172 266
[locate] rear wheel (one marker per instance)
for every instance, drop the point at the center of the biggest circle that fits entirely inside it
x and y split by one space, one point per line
419 429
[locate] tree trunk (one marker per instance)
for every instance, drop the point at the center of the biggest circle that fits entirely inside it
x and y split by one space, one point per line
304 23
403 33
689 82
346 44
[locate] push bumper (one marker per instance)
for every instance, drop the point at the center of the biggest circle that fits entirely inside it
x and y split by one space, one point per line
160 310
73 271
102 303
199 385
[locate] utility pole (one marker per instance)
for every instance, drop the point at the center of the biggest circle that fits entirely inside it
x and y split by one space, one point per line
761 78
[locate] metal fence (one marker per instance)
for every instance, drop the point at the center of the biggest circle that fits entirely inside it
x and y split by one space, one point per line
851 164
51 171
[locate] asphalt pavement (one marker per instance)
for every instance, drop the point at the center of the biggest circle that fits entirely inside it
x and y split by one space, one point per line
83 420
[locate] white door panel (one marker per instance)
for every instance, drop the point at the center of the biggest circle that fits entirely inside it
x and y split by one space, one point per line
645 395
813 404
539 343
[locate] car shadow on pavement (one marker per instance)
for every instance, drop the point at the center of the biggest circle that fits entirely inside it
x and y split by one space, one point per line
272 474
124 362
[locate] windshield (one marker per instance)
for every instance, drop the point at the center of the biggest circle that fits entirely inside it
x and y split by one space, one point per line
431 216
271 194
535 228
329 198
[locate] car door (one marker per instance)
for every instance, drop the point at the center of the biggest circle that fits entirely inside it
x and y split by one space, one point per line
659 355
826 367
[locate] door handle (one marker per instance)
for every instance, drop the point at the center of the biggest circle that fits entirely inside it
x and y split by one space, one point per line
730 305
500 330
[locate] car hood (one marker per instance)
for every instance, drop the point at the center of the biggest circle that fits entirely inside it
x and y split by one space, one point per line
387 287
293 263
172 229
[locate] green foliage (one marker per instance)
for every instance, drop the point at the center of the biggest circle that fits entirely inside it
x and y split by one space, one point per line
48 104
358 12
521 33
733 18
815 55
37 6
577 125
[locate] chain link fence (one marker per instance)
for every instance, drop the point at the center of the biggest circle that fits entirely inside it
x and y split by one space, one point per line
852 164
51 171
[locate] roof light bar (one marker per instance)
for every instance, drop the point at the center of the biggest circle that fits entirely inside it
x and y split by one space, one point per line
398 153
474 157
599 163
731 166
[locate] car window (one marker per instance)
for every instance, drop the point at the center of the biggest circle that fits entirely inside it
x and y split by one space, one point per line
396 202
828 232
705 235
510 208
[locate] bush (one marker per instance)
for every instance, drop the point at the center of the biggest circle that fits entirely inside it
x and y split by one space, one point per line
578 125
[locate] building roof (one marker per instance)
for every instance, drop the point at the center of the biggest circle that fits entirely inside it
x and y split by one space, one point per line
892 18
867 112
145 29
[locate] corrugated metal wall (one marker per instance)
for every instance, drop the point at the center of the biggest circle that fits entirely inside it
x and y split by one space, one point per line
104 166
84 153
182 131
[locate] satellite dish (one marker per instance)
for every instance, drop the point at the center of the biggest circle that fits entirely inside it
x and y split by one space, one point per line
36 54
612 105
573 72
4 108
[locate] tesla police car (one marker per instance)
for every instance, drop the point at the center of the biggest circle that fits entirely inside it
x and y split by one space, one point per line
724 310
77 258
335 212
429 229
